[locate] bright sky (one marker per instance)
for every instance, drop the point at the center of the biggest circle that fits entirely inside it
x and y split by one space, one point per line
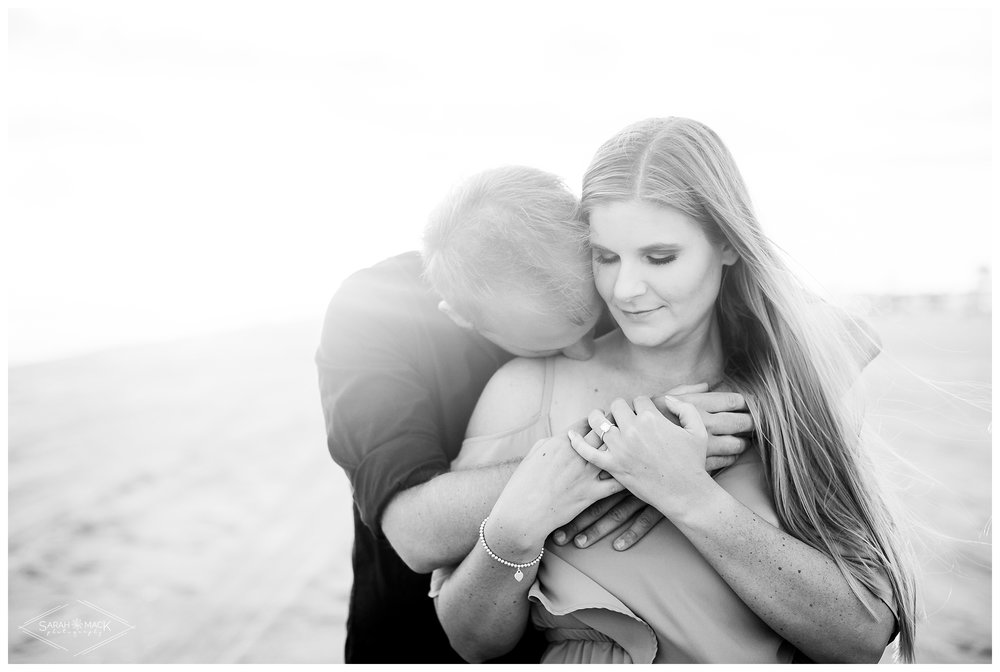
177 169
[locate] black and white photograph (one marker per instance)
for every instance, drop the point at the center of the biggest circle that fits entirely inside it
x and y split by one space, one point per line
499 332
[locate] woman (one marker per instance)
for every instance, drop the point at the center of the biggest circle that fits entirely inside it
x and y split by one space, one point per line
788 554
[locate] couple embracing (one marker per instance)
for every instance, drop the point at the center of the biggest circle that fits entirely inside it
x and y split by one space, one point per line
691 486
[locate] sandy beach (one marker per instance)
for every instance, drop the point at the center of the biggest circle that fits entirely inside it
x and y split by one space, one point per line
186 489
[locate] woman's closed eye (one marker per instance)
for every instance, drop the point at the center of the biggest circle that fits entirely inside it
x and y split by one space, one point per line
657 260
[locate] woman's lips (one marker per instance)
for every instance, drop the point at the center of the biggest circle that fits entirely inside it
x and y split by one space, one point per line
638 314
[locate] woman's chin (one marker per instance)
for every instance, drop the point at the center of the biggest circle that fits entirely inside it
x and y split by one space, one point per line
645 337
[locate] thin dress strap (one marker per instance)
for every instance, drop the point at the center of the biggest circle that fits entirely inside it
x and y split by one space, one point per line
550 377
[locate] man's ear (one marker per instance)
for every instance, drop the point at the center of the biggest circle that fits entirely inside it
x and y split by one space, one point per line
455 317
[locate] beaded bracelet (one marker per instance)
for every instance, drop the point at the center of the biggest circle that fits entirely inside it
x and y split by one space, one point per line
518 575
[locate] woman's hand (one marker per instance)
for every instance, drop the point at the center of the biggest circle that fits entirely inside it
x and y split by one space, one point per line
725 416
658 461
550 487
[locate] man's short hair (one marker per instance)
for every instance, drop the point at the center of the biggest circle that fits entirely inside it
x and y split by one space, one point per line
510 231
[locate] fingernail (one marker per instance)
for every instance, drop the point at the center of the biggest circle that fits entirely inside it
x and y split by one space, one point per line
581 539
669 398
559 537
620 544
572 435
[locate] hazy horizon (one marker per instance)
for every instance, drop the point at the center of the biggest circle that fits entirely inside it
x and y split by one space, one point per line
177 172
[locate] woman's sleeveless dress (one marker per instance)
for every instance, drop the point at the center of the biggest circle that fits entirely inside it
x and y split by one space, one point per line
659 601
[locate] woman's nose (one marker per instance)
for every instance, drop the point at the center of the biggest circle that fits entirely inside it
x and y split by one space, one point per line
629 284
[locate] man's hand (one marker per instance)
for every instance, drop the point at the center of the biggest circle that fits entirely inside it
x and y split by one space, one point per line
607 515
725 416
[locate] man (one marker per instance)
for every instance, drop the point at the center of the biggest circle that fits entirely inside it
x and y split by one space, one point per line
407 347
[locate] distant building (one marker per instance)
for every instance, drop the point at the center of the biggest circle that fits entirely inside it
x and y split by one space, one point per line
981 298
977 301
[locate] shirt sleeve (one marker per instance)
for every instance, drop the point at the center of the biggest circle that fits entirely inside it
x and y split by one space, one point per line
380 420
439 577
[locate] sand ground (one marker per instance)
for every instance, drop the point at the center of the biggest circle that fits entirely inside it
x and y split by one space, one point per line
186 488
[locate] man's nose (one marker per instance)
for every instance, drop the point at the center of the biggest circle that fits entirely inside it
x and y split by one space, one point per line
582 349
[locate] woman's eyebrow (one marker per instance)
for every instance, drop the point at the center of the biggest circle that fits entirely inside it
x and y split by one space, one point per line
646 249
659 247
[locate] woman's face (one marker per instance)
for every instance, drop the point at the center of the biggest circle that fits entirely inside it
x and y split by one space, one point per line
657 271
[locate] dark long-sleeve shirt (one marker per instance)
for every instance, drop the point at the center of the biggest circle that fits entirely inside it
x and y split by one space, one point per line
398 382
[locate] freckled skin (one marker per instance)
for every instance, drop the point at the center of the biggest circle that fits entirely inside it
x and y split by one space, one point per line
770 598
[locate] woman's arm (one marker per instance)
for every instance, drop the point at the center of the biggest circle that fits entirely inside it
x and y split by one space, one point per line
483 607
797 590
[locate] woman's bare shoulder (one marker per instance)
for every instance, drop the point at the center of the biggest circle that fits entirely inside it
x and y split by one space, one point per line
512 397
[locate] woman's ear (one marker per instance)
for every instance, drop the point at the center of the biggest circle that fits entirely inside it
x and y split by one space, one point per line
455 317
729 256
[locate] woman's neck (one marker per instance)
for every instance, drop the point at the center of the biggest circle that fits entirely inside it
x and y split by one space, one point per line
696 359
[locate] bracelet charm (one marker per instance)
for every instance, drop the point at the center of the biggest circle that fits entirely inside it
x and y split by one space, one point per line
518 574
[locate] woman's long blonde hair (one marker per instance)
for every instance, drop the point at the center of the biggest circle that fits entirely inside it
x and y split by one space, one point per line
794 361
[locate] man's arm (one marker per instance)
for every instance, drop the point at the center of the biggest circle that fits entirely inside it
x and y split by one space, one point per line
381 418
430 525
380 430
433 524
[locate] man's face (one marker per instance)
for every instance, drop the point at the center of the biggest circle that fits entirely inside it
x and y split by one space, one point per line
517 328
